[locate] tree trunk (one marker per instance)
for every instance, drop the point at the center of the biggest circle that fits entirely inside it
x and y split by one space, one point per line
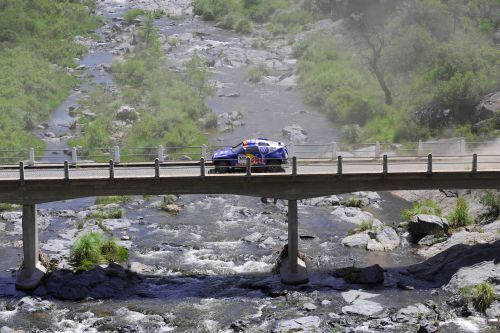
383 85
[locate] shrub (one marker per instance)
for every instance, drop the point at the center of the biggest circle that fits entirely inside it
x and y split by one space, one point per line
229 21
211 121
112 199
257 72
93 249
492 202
132 14
4 207
425 206
481 295
460 216
351 133
354 202
115 213
244 26
364 226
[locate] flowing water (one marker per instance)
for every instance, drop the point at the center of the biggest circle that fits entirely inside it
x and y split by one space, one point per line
203 275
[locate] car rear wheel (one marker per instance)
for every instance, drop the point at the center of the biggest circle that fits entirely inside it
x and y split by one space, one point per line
274 166
221 166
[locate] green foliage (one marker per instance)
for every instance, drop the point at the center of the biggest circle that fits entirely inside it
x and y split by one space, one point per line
243 26
365 225
481 295
211 121
492 202
354 202
93 249
257 72
425 206
197 75
115 213
132 14
36 41
118 199
5 207
460 216
351 133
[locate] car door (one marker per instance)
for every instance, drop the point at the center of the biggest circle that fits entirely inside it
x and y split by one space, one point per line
255 155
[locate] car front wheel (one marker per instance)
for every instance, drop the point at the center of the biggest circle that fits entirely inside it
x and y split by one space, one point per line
221 166
274 166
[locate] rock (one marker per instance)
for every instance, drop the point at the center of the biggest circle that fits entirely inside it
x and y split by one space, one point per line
295 133
357 240
388 238
172 208
127 113
363 308
50 134
411 314
66 213
427 240
11 216
309 307
230 95
253 238
489 107
367 275
325 302
89 114
423 225
473 275
239 325
6 329
351 215
373 245
302 324
332 200
494 310
125 237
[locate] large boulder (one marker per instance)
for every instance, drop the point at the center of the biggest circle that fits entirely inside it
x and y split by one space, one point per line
127 113
389 238
367 275
359 303
357 240
489 107
302 324
295 133
423 225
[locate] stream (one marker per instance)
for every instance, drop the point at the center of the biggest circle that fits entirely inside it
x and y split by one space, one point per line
208 268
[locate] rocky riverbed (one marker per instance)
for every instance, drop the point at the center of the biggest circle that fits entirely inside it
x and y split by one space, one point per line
206 263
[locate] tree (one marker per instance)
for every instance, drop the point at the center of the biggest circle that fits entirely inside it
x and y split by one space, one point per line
373 40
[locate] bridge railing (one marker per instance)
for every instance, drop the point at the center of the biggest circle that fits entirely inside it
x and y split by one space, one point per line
81 155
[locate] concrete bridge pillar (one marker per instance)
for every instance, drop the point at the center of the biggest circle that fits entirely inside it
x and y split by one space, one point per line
293 269
32 271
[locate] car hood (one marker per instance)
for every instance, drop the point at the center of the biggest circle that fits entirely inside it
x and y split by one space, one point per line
223 152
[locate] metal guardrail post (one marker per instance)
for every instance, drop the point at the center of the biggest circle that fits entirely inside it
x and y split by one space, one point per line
249 166
420 149
384 166
294 165
377 148
32 156
204 151
66 170
74 156
116 154
157 168
429 164
339 165
21 170
111 169
161 153
474 163
334 150
202 167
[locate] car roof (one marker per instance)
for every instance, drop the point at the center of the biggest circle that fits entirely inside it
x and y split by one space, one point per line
252 142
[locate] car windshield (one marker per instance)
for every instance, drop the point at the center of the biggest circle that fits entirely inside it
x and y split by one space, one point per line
236 148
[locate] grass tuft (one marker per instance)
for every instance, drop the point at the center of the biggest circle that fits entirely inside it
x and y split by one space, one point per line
481 295
118 199
354 202
115 213
425 206
257 72
492 202
460 216
364 226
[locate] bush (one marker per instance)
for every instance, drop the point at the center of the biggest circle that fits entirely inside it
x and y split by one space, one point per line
93 249
354 202
112 199
426 206
351 133
211 121
364 226
5 207
244 26
460 216
481 295
257 72
115 213
132 14
492 202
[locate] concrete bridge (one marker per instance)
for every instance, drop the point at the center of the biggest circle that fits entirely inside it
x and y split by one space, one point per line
301 178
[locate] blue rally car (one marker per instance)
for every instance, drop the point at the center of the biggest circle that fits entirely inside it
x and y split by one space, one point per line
262 152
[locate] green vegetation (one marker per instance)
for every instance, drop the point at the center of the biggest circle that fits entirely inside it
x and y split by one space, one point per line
168 104
354 202
119 199
460 216
5 207
481 295
132 14
115 213
93 249
492 202
282 16
36 43
364 226
394 76
257 72
425 206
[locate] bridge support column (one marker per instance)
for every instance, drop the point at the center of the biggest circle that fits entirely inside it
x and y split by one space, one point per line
293 269
32 271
